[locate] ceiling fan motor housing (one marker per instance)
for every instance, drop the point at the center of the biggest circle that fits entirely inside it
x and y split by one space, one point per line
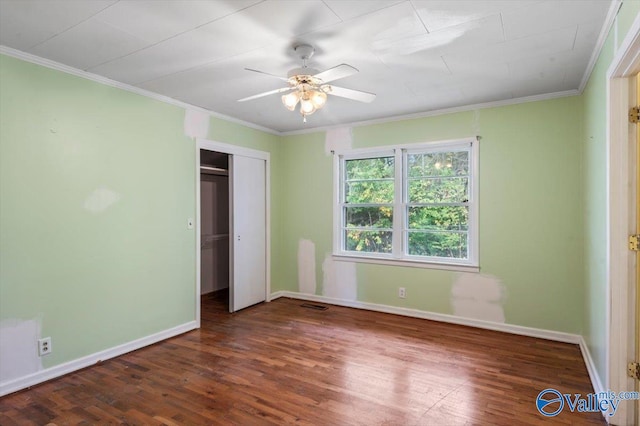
302 72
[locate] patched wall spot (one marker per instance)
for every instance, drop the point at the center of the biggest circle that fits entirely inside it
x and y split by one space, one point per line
478 296
100 200
19 348
306 267
339 279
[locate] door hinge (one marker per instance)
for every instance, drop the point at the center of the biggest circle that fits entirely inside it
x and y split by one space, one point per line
634 242
634 115
633 370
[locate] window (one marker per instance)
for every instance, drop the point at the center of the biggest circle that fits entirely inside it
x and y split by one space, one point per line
414 203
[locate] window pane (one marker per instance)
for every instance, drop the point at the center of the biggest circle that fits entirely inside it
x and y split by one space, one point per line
442 218
369 192
439 190
452 245
368 241
370 168
438 164
369 217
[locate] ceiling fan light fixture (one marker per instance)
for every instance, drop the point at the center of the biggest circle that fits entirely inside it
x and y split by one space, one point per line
307 107
290 100
318 99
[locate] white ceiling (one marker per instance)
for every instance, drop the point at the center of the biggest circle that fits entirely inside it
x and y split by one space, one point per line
417 56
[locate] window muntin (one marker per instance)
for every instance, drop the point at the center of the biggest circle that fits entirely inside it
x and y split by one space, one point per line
416 203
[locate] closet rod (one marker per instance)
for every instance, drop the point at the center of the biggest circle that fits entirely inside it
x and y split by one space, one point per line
214 170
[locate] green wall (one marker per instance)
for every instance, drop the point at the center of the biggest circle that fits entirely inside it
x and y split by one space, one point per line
530 211
97 184
595 191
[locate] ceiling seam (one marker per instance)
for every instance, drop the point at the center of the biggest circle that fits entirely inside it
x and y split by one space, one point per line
332 11
75 25
413 6
174 36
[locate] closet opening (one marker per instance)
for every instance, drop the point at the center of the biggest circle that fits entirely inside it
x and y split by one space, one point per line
214 229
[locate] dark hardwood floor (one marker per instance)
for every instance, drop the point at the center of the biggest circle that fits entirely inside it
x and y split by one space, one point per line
280 363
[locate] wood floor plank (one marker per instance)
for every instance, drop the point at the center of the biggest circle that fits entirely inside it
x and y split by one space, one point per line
279 363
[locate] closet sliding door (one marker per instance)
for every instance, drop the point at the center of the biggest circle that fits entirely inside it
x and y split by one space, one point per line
249 240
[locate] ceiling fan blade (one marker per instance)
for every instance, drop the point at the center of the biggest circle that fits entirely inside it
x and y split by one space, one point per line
266 73
260 95
356 95
340 71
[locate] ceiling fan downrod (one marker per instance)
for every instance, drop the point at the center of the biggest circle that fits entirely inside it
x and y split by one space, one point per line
305 52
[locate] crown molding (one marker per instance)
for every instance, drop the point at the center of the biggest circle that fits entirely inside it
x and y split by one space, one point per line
464 108
614 8
28 57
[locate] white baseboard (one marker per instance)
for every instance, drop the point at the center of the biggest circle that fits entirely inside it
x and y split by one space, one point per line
277 294
86 361
452 319
591 367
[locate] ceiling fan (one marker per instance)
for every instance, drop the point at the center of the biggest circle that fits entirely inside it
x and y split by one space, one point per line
310 88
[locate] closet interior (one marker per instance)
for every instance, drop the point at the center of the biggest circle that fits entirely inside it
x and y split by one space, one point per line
214 223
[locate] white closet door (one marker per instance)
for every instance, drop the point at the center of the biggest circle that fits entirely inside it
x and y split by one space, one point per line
248 184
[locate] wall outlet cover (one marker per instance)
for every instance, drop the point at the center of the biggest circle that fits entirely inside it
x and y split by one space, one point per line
44 346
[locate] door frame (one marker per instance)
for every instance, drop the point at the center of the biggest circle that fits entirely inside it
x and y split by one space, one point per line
245 152
620 261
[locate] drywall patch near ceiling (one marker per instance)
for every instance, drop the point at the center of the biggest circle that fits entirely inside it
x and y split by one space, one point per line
196 124
339 279
100 200
478 296
306 267
19 348
339 139
475 122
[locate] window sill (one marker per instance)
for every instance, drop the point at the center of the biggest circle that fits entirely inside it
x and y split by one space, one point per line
406 263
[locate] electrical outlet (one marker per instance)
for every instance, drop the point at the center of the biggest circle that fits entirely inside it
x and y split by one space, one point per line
402 293
44 346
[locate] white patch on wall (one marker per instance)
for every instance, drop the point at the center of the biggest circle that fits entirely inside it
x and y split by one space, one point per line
196 124
339 279
338 140
475 123
19 348
306 267
100 200
478 296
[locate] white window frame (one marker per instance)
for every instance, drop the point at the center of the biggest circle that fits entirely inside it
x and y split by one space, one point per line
399 255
